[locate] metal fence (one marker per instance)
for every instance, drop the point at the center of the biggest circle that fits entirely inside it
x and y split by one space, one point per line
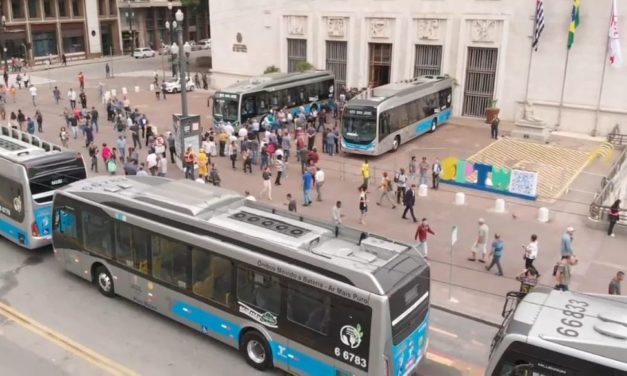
296 53
598 209
428 60
617 138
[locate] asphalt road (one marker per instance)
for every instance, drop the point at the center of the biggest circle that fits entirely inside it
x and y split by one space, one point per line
53 323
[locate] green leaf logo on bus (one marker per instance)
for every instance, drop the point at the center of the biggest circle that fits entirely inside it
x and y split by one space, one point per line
351 336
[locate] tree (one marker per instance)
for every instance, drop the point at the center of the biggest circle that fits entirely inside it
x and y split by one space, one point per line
271 69
196 5
304 66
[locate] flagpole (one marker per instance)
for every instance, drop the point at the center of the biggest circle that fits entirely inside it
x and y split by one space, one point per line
598 109
530 61
559 114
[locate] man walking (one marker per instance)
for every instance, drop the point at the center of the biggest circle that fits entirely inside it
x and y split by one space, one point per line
566 246
614 288
401 185
481 242
81 81
94 118
436 169
319 178
563 273
386 190
33 94
497 252
421 235
365 173
291 203
409 201
494 127
171 146
266 175
307 183
71 95
107 70
337 213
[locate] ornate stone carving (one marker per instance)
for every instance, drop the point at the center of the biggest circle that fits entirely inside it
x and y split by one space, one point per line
296 25
483 30
429 29
379 28
336 27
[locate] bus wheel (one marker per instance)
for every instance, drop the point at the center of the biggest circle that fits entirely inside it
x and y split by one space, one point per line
396 143
255 349
434 125
104 281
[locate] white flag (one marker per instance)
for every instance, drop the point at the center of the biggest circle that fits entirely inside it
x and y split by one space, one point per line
614 48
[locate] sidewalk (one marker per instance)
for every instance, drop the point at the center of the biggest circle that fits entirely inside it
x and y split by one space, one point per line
476 293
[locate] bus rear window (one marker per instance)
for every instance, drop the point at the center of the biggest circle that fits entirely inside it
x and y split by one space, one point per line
54 180
409 306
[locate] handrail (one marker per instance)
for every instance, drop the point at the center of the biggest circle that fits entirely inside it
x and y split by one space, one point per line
615 137
598 211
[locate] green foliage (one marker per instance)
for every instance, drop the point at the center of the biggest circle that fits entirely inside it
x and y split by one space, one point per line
304 66
195 4
271 69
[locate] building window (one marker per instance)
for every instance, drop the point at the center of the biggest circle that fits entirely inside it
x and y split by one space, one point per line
62 8
44 43
17 9
480 80
336 61
428 60
33 9
77 8
102 11
48 9
73 41
112 8
296 53
380 64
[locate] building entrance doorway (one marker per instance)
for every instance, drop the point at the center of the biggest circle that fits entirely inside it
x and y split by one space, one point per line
380 63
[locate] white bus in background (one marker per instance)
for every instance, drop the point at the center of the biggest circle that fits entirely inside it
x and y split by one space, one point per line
555 333
382 119
289 292
30 171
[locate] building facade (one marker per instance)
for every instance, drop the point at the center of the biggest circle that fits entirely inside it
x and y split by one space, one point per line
145 20
484 44
81 29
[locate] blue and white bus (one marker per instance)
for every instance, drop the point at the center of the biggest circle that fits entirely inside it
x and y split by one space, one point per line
384 118
30 170
256 97
287 291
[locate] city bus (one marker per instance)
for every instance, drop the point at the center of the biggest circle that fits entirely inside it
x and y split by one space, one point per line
287 291
30 170
384 118
549 332
254 98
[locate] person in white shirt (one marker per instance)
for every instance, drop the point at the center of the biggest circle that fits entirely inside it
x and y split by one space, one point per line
71 95
249 196
436 169
337 213
151 162
242 133
33 94
141 171
531 252
319 179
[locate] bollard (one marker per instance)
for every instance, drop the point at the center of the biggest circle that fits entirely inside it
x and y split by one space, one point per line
137 88
124 91
460 198
543 215
499 205
152 88
422 190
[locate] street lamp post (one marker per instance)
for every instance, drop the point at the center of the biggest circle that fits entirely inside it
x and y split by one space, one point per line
130 16
3 28
168 21
182 50
171 28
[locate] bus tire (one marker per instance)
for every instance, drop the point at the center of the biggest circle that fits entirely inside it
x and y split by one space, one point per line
396 143
256 350
104 281
434 125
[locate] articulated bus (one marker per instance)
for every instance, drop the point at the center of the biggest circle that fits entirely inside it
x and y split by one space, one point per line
551 333
254 98
384 118
30 170
289 292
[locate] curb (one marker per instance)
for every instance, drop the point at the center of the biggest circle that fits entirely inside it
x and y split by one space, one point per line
466 316
43 67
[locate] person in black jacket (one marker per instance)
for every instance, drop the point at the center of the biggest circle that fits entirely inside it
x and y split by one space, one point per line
409 201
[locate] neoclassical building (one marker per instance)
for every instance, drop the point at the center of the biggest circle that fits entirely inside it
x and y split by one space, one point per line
484 44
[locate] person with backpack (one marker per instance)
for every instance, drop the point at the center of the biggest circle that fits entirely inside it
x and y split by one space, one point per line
386 190
562 272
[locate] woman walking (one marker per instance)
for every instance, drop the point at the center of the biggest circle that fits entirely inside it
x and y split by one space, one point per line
531 253
614 216
363 204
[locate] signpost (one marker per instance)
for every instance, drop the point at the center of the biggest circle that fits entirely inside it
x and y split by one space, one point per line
454 231
187 132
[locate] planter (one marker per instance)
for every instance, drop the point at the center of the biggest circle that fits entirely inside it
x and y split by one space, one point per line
491 113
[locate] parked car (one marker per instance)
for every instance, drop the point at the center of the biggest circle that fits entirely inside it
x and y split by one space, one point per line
174 85
143 52
205 44
195 46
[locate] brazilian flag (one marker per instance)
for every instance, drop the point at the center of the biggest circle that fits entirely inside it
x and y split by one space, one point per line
574 22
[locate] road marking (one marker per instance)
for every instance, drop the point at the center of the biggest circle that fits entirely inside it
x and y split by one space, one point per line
440 359
610 264
444 332
89 355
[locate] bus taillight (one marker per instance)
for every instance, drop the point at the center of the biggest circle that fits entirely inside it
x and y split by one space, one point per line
388 371
34 230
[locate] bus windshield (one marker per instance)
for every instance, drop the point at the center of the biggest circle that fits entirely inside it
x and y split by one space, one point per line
360 125
46 176
225 107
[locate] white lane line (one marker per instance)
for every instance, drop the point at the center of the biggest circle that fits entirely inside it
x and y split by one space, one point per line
439 359
444 332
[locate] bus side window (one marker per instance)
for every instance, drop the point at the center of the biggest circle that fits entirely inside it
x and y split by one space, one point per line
445 98
211 276
11 199
259 289
384 125
248 108
97 231
309 307
64 222
131 247
169 260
